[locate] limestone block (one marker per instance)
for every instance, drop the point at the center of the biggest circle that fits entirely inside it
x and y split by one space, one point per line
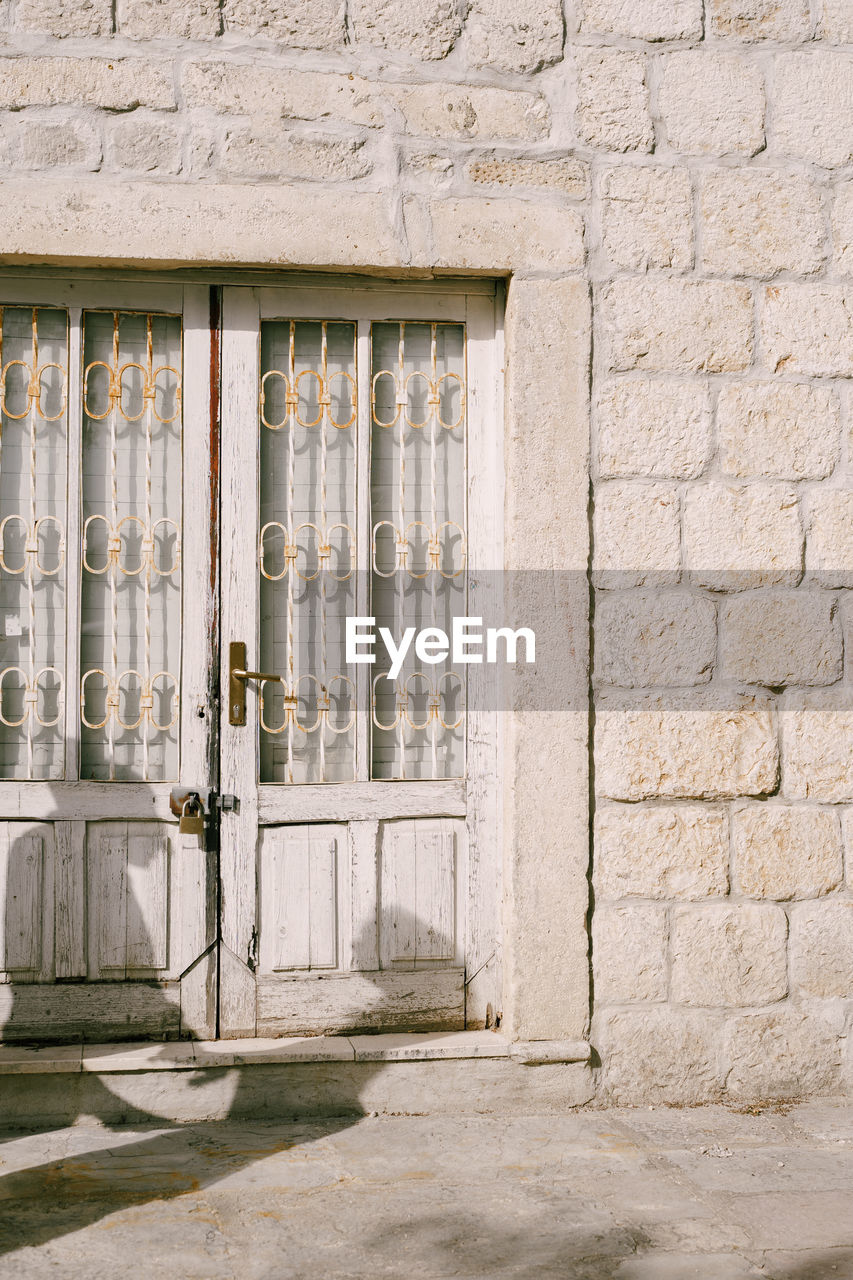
761 19
692 745
742 536
636 536
487 235
117 85
425 29
538 1053
712 103
842 226
791 637
30 144
613 100
756 223
274 224
65 17
318 25
835 24
729 955
647 218
786 1053
660 638
786 430
456 111
642 19
427 168
268 152
629 953
785 851
514 35
822 947
549 327
653 427
808 328
147 146
202 147
565 174
829 537
664 851
813 106
185 19
817 746
657 1054
686 326
281 94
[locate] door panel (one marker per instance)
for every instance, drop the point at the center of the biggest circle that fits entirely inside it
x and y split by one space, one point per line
27 854
376 1001
128 875
420 874
299 897
107 588
346 873
146 889
91 1011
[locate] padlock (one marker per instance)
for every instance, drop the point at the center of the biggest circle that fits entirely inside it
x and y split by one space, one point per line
192 817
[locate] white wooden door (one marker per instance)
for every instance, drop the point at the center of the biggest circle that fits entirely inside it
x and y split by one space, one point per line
361 441
107 914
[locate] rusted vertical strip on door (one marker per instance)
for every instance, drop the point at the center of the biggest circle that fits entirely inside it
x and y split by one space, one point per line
213 670
215 401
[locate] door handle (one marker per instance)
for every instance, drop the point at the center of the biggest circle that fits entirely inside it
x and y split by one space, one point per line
237 677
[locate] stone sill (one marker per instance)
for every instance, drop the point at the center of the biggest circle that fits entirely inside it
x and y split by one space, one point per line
195 1055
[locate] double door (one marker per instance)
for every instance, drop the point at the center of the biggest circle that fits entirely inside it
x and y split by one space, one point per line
199 486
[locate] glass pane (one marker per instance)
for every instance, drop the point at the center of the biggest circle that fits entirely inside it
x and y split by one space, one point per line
417 484
131 590
33 434
307 553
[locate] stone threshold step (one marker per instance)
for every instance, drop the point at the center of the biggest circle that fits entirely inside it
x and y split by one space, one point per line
195 1055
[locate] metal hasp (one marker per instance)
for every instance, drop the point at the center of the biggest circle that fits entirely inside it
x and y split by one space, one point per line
209 798
237 677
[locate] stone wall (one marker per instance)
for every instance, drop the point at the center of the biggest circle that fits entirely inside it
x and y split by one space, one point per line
697 159
723 924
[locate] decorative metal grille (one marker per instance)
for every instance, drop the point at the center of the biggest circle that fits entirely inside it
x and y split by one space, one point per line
409 437
131 582
33 446
307 549
418 541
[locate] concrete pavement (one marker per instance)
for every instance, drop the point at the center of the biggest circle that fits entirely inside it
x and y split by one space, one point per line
653 1194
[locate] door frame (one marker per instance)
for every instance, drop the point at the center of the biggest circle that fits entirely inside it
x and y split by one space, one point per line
189 229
